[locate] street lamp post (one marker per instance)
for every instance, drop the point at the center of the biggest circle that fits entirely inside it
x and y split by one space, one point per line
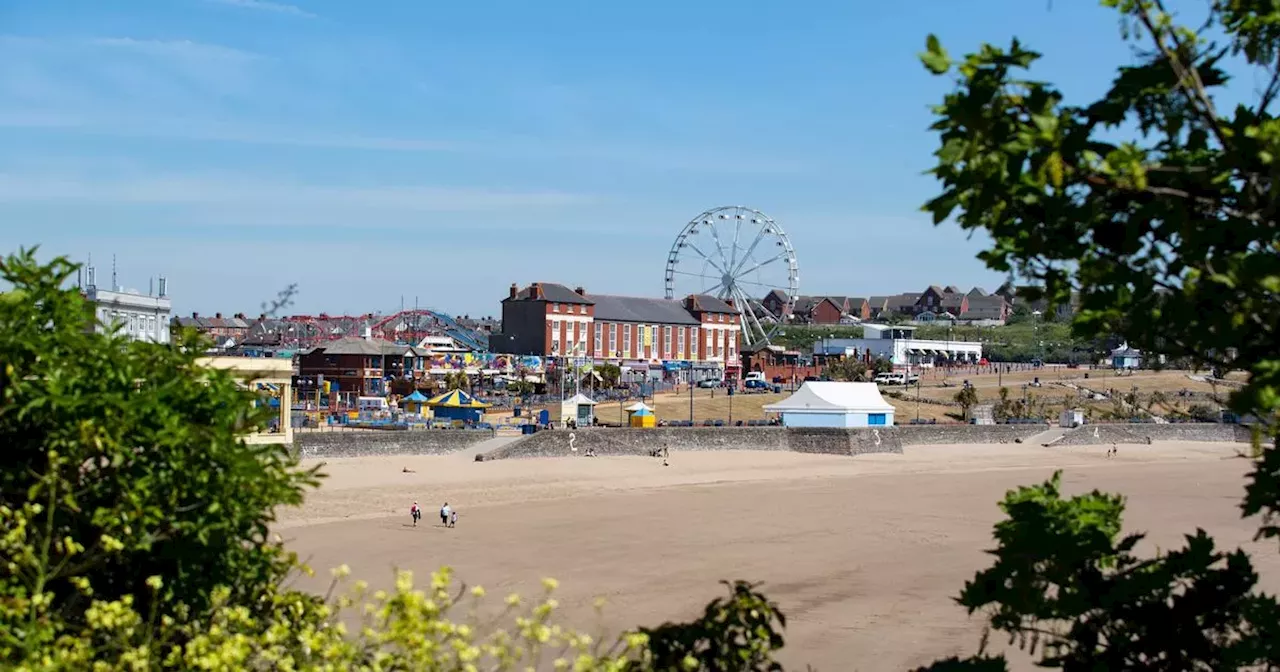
917 401
690 396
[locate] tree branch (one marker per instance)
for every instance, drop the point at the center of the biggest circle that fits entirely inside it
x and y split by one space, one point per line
1188 76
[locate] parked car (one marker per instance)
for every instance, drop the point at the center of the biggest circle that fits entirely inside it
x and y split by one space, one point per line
760 386
891 379
708 383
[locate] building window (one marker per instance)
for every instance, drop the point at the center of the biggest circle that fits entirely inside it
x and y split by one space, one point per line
613 340
626 340
680 352
582 310
555 307
599 333
666 342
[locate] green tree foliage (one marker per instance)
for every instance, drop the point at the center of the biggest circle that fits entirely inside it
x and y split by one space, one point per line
1171 241
457 380
134 531
967 397
127 456
849 370
610 374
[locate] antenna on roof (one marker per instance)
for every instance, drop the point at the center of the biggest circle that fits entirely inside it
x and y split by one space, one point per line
115 287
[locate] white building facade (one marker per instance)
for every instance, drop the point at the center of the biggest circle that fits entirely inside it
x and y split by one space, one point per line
139 317
898 345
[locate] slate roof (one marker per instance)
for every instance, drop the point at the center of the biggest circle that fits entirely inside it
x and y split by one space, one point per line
639 309
711 304
985 307
977 291
901 300
359 346
552 292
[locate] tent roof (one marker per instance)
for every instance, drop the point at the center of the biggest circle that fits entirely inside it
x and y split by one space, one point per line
456 399
638 406
416 396
580 399
831 397
643 411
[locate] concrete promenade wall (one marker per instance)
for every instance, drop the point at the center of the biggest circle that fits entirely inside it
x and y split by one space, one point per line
367 442
1139 433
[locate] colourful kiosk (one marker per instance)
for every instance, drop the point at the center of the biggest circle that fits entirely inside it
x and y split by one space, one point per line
640 414
415 403
457 406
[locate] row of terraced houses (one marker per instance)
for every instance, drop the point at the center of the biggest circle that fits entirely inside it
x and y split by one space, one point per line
935 303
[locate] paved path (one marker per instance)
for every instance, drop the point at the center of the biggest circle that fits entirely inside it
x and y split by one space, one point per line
1049 436
483 447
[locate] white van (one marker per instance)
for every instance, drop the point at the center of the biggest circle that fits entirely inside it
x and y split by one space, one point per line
372 404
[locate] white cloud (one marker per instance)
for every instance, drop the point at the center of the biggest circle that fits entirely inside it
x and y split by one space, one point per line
174 48
263 6
285 200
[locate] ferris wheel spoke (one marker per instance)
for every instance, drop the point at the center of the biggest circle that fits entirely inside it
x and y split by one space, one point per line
737 232
702 254
749 312
696 275
715 235
752 248
762 264
740 281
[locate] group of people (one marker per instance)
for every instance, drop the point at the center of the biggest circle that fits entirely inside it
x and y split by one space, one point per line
448 516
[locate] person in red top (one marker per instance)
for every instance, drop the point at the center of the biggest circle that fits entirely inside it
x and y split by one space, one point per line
416 513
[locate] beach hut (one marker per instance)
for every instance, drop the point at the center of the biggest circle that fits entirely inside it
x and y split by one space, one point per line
414 403
643 417
831 404
457 405
578 408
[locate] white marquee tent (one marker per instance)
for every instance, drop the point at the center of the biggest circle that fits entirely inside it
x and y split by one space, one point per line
829 404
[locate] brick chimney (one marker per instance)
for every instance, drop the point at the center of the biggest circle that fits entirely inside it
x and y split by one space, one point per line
729 302
537 291
580 291
218 315
515 289
195 316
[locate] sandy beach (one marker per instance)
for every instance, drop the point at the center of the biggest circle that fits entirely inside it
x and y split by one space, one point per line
863 554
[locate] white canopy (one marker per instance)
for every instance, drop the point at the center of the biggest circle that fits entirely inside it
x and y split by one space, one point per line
578 400
638 406
830 397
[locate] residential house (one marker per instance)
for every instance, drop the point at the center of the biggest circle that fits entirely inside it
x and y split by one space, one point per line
830 309
225 331
986 309
551 320
1016 295
902 304
779 304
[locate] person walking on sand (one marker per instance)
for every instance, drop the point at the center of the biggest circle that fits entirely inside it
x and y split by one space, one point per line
444 514
415 513
453 518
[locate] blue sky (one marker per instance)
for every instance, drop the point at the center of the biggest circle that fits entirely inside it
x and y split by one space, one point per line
369 151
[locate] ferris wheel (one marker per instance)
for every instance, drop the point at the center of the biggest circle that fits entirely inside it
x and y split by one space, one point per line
740 254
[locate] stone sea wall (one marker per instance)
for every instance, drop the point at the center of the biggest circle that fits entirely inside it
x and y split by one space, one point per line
933 435
1141 433
363 443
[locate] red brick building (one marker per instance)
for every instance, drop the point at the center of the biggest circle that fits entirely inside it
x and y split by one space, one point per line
551 320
